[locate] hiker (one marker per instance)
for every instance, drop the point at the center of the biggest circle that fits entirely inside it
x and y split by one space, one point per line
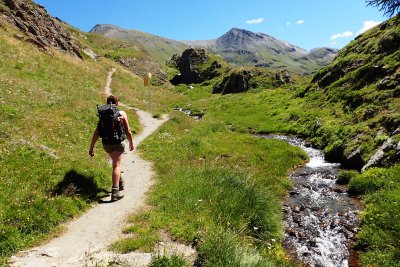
114 145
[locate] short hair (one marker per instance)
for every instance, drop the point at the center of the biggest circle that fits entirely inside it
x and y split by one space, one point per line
112 100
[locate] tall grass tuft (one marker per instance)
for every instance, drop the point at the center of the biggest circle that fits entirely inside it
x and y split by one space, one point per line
168 261
379 237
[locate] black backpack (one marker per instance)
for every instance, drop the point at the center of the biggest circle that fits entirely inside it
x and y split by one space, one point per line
110 126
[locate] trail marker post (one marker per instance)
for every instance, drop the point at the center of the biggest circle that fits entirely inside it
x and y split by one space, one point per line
146 81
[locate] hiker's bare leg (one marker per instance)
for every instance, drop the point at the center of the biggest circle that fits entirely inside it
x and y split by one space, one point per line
116 158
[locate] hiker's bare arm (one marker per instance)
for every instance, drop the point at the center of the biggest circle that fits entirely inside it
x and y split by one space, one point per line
127 130
95 137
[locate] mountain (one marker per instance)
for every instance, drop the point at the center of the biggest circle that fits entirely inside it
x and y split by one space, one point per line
243 47
237 46
160 48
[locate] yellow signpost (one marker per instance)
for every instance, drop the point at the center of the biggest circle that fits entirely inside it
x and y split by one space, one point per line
146 82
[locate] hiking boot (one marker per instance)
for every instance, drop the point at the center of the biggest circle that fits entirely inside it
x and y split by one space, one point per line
121 184
115 195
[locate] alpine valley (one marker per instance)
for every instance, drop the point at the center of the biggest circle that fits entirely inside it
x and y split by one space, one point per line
221 176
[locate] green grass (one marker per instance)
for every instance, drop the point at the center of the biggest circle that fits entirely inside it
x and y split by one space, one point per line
168 261
225 180
379 238
48 110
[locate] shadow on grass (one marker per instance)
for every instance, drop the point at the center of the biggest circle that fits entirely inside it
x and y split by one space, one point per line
78 184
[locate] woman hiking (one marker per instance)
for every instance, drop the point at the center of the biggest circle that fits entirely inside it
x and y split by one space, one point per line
113 128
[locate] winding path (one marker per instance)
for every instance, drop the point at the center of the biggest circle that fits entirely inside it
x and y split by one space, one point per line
85 241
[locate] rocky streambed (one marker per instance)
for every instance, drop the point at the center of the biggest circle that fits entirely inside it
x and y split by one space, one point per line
196 116
320 218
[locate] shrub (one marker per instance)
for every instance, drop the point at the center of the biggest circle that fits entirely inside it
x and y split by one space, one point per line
345 177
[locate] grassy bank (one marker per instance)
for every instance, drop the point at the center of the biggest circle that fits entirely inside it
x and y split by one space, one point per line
379 238
217 188
48 110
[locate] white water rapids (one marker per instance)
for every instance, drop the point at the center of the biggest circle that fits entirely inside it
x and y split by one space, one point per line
320 218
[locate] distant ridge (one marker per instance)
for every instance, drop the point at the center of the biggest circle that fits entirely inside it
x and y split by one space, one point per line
162 49
243 47
237 46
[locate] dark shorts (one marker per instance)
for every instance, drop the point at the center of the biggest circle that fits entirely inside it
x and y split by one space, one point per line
120 147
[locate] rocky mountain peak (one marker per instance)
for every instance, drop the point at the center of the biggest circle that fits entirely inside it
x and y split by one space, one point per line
245 33
239 38
104 28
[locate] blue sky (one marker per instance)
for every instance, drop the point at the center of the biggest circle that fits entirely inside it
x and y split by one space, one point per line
305 23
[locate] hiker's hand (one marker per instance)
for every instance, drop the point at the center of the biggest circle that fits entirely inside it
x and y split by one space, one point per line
131 147
91 152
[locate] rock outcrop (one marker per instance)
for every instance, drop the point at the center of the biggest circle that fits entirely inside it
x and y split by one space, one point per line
195 66
284 77
244 79
384 156
40 28
235 82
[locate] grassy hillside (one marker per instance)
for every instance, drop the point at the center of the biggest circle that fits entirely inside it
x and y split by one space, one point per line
160 48
362 85
48 110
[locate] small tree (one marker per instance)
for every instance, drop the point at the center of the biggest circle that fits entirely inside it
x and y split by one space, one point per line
390 7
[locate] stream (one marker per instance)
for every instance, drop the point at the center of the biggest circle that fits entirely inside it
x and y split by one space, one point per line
320 218
196 116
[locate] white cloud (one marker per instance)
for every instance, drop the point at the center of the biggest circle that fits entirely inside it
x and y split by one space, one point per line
368 25
255 21
341 35
300 22
288 24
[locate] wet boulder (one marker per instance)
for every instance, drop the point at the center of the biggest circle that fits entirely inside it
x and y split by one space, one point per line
387 154
353 159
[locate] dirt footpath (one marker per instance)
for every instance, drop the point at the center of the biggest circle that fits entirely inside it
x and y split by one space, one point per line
85 241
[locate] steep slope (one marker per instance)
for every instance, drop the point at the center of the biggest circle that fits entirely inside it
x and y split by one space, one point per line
161 48
128 54
363 83
39 27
